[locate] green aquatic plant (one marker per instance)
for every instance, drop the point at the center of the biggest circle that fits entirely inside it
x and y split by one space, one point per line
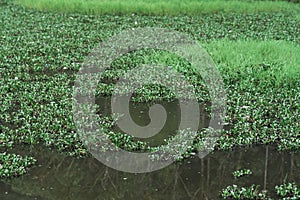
257 55
235 192
14 165
241 172
288 191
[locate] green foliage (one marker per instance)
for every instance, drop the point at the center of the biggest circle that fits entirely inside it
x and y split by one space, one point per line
248 60
242 172
288 191
234 192
257 55
14 165
158 7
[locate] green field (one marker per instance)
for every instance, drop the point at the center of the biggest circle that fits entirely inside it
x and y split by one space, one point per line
156 7
254 44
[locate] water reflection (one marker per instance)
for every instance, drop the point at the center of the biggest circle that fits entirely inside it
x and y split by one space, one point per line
60 177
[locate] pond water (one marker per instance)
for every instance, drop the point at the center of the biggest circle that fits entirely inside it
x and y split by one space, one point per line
57 176
139 113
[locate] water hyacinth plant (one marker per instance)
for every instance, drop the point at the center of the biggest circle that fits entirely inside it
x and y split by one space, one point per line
242 172
235 192
14 165
288 191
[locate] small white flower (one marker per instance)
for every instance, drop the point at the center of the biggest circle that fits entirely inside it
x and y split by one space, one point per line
135 22
65 68
16 78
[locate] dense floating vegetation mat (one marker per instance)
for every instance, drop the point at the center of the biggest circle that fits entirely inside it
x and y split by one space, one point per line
159 7
257 55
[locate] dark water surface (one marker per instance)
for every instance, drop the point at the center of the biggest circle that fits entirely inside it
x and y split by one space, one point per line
139 113
57 176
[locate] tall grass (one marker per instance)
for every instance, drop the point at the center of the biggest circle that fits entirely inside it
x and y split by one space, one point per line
279 60
159 7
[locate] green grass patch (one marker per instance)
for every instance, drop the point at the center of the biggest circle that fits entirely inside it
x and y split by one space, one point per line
244 59
158 7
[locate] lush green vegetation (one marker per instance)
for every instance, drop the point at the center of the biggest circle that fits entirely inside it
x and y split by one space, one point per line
14 165
158 7
242 172
252 192
257 54
287 191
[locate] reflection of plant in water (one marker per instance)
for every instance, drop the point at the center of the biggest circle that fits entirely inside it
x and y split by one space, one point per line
190 179
61 177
